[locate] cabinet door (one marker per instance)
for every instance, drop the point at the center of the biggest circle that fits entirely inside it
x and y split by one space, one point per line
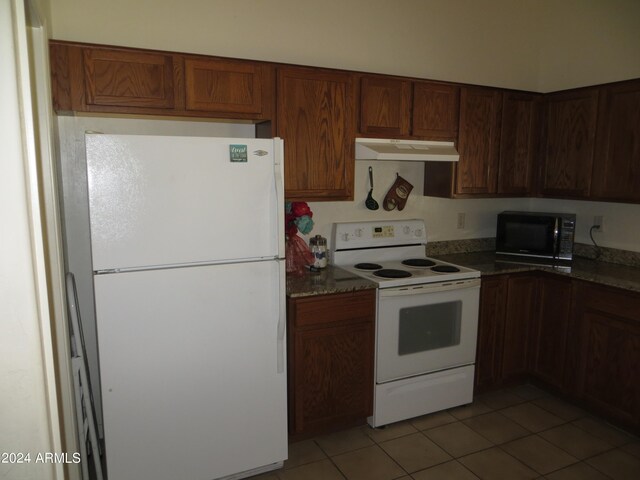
435 111
616 169
612 365
317 122
610 352
477 170
330 360
549 336
569 131
385 105
223 85
333 377
519 316
518 142
128 78
493 294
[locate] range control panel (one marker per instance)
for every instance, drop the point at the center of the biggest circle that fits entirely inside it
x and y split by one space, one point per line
352 235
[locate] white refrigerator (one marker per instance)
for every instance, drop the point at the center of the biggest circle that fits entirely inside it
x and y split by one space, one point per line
188 259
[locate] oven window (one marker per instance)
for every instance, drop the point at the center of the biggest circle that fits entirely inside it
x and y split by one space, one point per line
429 327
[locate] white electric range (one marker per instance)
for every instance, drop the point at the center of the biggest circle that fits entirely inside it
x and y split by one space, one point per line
427 317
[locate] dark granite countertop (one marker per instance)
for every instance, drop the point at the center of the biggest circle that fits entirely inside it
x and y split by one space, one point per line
337 280
328 280
604 273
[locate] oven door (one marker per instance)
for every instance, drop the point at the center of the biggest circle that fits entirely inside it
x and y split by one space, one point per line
426 328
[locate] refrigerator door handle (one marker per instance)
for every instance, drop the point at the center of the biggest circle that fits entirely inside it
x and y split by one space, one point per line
282 315
278 153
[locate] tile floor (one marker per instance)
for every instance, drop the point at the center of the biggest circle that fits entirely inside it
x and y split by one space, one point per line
513 434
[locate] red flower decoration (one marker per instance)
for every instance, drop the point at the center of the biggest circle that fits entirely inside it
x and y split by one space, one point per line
301 208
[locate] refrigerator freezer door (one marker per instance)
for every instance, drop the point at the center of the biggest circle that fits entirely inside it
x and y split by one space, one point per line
179 200
189 363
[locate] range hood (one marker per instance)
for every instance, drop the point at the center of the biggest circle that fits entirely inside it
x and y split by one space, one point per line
411 150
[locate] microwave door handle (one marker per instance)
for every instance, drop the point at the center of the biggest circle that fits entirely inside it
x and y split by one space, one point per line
556 235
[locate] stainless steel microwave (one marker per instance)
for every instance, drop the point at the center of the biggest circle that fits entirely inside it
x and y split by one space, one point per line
536 235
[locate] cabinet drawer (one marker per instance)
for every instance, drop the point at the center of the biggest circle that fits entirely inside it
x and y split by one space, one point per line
341 307
616 302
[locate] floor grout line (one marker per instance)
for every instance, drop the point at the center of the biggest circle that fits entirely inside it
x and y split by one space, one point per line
366 431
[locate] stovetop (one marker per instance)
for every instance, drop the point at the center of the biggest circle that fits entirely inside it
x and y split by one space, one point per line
391 253
402 274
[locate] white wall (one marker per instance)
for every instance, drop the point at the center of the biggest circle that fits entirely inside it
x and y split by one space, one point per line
28 409
621 225
539 45
588 42
440 215
464 40
621 220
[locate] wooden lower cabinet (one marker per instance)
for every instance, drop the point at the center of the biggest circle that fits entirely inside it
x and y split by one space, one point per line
579 338
331 359
507 310
608 366
550 330
519 316
493 293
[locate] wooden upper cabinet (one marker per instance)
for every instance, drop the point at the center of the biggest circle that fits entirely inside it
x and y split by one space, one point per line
569 141
616 168
396 108
435 111
316 119
93 78
518 142
123 78
223 85
385 106
479 140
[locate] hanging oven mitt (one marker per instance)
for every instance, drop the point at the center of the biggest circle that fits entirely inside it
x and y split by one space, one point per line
397 195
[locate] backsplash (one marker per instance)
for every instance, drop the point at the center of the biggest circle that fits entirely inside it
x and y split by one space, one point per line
448 247
609 255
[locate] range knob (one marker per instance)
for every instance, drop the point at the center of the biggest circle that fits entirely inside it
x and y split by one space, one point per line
406 230
345 237
358 232
418 232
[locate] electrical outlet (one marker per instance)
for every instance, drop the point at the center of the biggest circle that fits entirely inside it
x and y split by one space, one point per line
598 220
461 220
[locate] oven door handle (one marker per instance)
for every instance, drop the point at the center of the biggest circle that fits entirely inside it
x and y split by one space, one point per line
429 288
